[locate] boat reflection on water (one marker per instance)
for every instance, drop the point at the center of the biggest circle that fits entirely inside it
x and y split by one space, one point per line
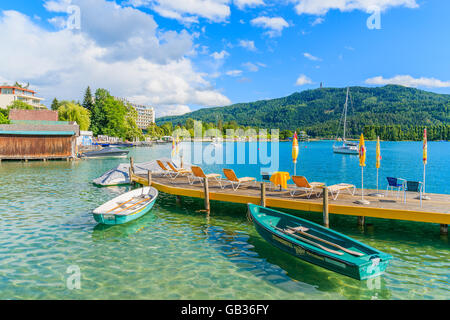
237 248
116 232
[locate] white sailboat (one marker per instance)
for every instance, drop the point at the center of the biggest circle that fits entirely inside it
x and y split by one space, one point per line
347 147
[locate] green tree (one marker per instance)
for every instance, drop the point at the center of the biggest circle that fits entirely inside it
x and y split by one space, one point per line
3 119
55 104
88 101
17 104
70 111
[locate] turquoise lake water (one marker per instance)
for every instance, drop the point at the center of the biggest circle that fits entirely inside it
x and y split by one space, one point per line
176 252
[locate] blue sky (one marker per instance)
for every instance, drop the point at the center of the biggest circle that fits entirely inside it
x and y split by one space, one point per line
181 55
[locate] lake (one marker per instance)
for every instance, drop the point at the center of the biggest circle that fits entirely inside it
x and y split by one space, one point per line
176 252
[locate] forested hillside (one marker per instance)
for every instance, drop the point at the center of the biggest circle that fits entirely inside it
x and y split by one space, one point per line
319 111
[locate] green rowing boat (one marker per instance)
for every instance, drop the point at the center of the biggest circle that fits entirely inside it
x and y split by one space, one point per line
318 245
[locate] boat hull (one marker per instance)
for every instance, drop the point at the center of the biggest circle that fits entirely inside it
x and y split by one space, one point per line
360 271
343 150
102 216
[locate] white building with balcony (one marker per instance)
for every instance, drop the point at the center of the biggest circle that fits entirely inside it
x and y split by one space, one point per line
146 114
9 94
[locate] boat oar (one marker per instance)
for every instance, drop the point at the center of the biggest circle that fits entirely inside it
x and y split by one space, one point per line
309 241
355 253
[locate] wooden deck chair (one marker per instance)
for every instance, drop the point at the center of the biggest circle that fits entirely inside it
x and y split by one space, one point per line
235 181
198 174
165 172
302 184
336 189
176 172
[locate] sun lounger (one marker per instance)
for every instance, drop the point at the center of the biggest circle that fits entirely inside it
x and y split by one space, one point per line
165 172
302 184
235 181
176 172
198 174
336 189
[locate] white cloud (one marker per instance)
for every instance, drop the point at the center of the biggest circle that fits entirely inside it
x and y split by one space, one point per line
248 44
63 63
321 7
409 81
317 21
234 73
311 57
131 28
302 80
241 4
220 55
188 10
172 110
253 67
275 25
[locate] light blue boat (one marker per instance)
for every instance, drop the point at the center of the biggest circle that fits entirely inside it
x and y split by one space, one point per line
126 207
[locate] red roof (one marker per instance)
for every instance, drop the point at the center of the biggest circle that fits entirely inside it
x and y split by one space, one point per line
18 88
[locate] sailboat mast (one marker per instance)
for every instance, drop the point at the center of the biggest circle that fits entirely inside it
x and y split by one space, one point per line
345 113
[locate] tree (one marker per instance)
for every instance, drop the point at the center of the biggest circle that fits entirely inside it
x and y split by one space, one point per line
88 101
3 119
70 111
98 118
17 104
55 104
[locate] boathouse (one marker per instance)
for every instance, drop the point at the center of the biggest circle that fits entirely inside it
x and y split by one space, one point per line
43 139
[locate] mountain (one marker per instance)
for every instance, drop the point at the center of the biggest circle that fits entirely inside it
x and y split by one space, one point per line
318 111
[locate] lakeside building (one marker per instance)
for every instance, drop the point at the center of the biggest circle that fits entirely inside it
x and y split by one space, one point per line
9 94
36 135
146 114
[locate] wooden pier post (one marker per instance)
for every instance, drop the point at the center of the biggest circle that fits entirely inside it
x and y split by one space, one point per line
326 221
263 194
361 221
206 190
130 171
444 229
149 177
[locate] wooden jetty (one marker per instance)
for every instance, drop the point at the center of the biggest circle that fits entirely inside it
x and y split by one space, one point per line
436 210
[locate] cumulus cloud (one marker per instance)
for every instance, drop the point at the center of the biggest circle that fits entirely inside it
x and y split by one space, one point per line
172 110
188 11
241 4
311 57
63 63
220 55
234 73
302 80
253 67
248 44
315 7
409 81
317 21
275 25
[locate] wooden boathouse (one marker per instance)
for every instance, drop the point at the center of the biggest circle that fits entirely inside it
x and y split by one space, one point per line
38 140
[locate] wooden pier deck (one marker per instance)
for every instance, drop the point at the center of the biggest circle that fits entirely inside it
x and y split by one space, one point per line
435 210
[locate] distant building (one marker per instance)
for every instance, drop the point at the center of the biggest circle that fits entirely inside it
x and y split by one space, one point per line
146 115
9 94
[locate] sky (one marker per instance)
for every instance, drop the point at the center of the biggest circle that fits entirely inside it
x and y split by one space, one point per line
182 55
